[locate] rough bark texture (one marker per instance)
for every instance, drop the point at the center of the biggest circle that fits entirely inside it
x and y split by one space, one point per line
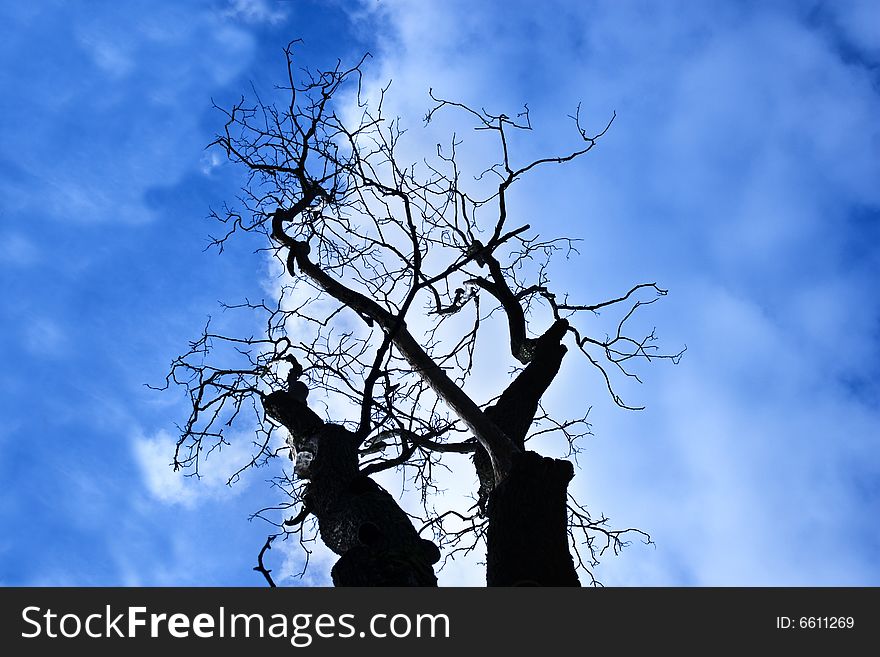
357 518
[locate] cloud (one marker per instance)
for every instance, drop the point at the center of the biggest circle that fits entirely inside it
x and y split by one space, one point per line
44 338
154 454
741 173
858 20
256 11
112 56
210 161
294 569
153 457
120 116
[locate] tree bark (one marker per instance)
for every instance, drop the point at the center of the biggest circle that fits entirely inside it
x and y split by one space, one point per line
357 518
527 537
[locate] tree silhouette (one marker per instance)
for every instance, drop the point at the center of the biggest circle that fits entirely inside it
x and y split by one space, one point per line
392 270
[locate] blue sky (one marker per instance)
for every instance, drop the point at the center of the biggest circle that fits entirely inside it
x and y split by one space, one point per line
741 173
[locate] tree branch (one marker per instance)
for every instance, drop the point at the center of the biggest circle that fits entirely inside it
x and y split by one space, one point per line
499 446
260 568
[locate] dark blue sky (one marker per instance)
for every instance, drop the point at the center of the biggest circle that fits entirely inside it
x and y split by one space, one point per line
741 173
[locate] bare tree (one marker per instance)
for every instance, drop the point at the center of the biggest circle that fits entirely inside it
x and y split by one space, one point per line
393 270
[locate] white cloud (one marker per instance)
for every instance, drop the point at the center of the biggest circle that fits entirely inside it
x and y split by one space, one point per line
743 142
122 115
211 160
154 455
293 562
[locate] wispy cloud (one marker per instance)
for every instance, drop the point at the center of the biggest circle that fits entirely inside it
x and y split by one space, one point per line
16 250
153 454
120 116
44 338
257 11
741 173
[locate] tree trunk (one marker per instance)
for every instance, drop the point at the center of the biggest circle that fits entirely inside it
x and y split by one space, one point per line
527 539
357 518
